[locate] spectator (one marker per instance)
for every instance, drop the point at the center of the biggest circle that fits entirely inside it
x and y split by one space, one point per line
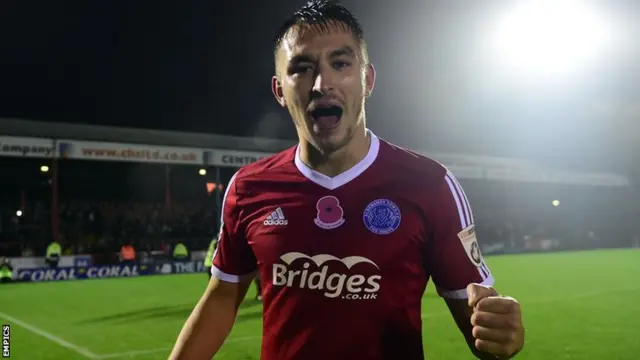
6 270
127 254
180 252
54 250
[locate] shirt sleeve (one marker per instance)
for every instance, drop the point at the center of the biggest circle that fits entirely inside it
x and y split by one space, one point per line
233 258
454 257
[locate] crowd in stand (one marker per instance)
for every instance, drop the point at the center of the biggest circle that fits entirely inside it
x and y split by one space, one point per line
100 228
520 236
104 227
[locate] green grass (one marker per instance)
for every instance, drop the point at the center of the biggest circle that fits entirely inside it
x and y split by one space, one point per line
582 305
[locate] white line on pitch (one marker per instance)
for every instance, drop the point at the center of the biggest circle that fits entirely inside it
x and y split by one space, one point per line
584 295
133 353
151 351
243 338
64 343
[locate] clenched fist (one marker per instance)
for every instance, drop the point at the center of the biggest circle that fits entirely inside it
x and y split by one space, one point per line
496 320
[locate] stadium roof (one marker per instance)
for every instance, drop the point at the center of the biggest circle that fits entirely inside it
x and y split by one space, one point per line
30 128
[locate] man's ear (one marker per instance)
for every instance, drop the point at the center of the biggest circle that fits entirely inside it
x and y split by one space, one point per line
370 79
276 88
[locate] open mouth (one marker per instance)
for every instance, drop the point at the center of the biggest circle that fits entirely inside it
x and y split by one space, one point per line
326 117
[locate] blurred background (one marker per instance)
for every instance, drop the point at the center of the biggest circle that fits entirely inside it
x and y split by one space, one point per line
554 86
122 121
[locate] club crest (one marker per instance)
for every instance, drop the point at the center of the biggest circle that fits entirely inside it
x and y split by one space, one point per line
382 217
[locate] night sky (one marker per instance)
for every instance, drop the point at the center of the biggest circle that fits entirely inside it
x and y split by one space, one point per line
205 66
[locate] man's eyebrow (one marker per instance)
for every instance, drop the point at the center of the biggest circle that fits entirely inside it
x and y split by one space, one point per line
301 59
343 51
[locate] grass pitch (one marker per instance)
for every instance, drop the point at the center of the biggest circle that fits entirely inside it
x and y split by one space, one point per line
579 305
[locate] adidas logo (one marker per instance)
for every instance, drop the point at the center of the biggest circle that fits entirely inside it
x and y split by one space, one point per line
276 218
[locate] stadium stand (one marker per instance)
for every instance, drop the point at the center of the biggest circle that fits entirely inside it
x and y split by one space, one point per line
106 199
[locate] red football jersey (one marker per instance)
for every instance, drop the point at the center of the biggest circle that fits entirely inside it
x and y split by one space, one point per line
345 261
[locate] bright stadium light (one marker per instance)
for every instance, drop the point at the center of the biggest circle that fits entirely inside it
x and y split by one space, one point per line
44 168
202 172
548 37
19 213
555 203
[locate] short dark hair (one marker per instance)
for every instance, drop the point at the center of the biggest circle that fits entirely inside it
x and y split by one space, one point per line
321 12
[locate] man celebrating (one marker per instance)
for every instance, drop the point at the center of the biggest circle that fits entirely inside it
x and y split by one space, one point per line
344 229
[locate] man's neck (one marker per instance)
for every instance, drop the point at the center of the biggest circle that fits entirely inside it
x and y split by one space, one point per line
340 160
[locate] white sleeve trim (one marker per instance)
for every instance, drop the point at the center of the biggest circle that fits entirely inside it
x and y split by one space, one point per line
462 203
462 294
228 277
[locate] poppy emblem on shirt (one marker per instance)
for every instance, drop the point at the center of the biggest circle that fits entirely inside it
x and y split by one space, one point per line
330 214
382 217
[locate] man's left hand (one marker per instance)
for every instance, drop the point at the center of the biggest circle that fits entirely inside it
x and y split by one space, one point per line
496 320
